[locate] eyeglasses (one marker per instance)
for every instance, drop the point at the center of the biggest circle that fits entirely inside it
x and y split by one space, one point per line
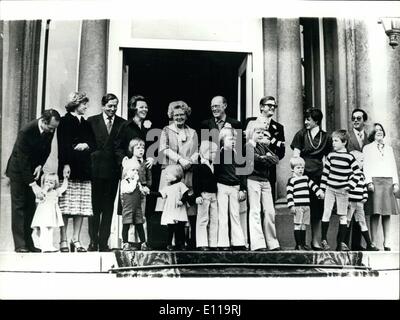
356 118
270 105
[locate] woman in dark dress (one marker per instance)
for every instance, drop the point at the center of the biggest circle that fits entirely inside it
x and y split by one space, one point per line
76 142
312 143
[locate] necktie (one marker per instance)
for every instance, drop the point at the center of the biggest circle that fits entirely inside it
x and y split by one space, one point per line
360 139
220 124
109 124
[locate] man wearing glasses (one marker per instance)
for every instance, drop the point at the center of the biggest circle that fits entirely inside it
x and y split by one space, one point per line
358 139
268 106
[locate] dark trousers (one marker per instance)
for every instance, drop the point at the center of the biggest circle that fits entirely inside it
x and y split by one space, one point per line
22 210
103 197
355 235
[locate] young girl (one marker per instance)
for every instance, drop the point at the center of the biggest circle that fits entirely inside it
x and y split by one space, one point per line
135 194
48 214
174 213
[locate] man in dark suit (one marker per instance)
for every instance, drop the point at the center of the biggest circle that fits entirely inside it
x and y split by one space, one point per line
24 167
268 106
358 138
219 120
105 172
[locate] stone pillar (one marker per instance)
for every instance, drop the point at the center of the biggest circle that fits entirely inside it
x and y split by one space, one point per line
20 54
351 83
93 62
290 110
393 80
364 88
270 47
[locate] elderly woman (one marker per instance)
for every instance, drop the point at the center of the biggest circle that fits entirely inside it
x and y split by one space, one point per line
76 142
383 182
312 144
178 145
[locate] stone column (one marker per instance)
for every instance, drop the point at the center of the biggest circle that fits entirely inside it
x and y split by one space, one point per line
93 62
270 47
20 54
351 83
290 110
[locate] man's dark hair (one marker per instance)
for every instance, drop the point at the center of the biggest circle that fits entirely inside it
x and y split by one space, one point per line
50 113
365 115
108 97
266 98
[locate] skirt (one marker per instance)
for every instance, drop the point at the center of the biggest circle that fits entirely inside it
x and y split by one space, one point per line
382 201
77 200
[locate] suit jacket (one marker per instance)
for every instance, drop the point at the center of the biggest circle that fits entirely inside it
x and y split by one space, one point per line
353 142
128 131
277 138
31 149
210 125
70 132
104 160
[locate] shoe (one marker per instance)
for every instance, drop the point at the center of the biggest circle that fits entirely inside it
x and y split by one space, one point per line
170 247
213 248
93 247
104 249
126 246
325 246
261 249
387 248
34 249
298 248
372 247
224 248
314 248
342 247
203 248
77 245
145 247
358 248
64 248
22 250
306 247
276 249
50 250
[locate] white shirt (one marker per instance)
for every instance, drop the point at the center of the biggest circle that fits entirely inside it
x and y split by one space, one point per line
78 116
314 131
40 126
105 117
377 164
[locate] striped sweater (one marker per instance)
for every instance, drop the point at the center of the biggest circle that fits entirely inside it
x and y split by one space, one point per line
360 192
298 191
340 170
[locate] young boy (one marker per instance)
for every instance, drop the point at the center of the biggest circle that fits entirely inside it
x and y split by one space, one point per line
298 198
357 197
262 231
205 192
340 175
230 190
136 148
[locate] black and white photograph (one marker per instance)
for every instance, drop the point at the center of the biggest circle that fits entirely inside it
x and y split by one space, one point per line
200 150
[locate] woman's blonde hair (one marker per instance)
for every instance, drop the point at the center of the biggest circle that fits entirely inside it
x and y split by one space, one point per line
178 105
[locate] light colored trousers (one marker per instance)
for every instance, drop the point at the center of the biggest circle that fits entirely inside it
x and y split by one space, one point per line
262 233
207 221
228 203
341 196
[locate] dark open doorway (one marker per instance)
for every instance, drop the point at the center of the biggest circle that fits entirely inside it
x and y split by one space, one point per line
163 76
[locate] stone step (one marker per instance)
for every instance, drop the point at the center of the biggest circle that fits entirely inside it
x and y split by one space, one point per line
90 262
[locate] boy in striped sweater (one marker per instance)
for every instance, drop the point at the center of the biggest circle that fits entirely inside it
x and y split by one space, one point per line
357 197
340 175
298 198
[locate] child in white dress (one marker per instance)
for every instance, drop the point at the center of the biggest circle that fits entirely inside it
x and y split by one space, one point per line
174 213
48 214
